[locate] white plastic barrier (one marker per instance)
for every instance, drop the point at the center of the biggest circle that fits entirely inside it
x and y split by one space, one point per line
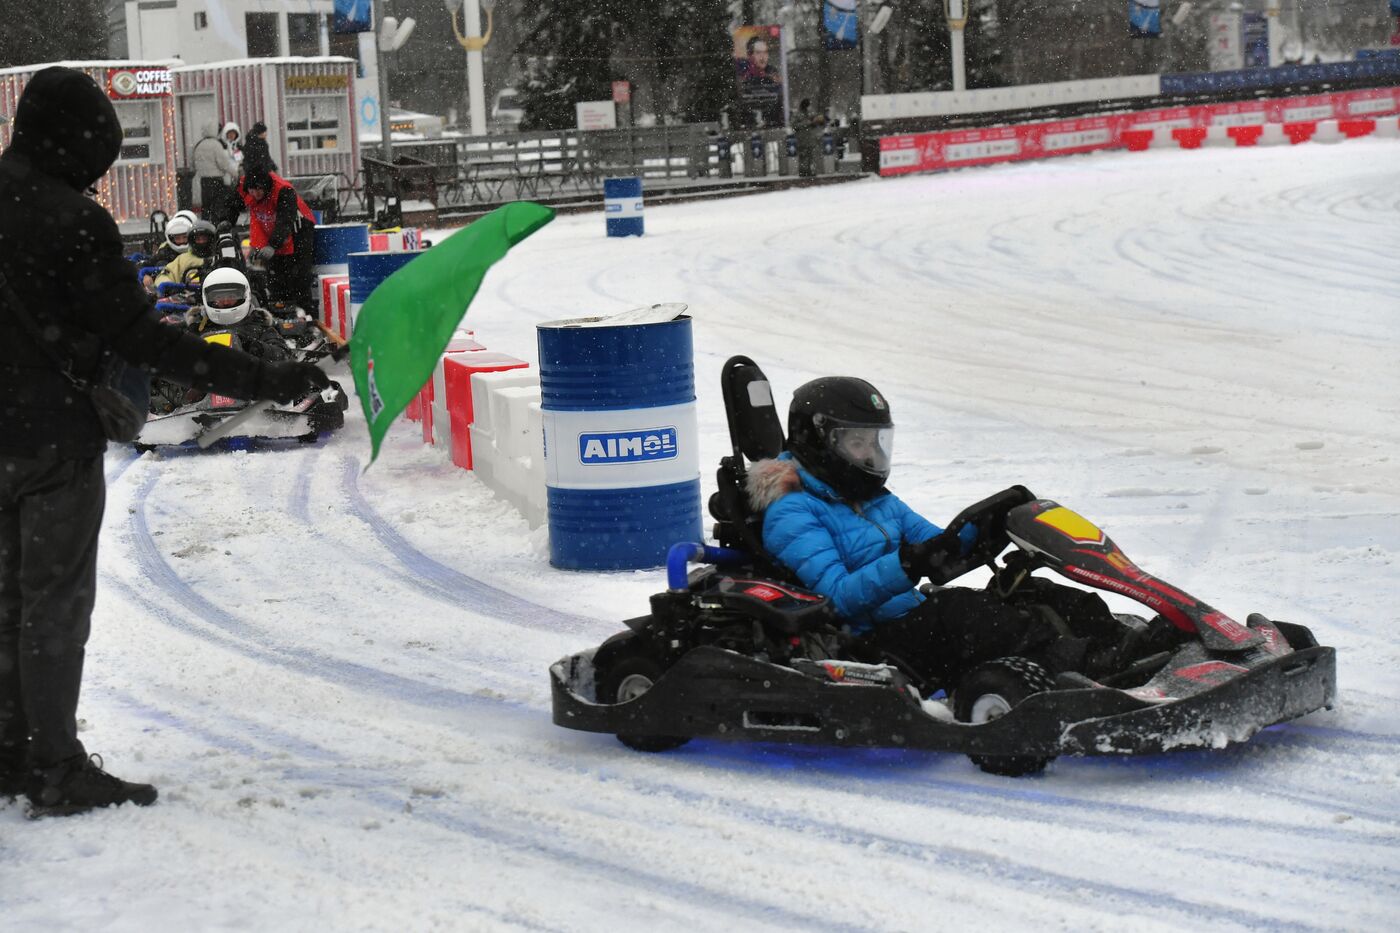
1019 97
507 439
1327 132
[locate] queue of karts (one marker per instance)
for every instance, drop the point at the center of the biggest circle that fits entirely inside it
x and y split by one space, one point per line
739 650
224 299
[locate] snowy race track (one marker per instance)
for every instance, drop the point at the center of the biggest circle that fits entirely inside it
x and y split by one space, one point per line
339 680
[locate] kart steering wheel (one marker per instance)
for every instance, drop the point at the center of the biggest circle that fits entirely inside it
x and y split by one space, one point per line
989 516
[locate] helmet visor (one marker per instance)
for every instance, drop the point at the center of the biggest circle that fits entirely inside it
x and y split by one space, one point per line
867 447
224 297
178 239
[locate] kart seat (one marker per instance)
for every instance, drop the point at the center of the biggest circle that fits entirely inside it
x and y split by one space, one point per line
756 433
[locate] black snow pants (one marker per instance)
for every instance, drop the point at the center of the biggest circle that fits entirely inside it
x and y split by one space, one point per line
293 277
957 628
50 516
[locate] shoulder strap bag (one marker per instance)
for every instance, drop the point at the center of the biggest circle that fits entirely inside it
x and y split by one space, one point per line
120 392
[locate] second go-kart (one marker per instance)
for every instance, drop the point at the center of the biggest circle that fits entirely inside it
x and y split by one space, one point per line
737 650
228 315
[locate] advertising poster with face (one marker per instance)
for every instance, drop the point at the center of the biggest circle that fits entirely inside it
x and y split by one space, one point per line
760 69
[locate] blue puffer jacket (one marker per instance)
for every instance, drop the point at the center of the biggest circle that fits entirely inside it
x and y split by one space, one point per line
847 553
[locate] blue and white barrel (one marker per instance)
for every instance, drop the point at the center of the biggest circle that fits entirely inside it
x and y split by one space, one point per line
333 245
367 270
622 463
622 206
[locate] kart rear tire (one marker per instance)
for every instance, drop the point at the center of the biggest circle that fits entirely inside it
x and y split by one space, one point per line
627 679
990 691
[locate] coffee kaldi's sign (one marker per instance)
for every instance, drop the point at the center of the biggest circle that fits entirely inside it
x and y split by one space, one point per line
135 83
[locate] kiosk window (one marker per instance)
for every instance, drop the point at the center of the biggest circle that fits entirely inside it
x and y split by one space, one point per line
141 138
314 123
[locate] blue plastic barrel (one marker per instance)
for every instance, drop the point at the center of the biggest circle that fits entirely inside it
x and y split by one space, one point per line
622 464
622 206
333 245
367 270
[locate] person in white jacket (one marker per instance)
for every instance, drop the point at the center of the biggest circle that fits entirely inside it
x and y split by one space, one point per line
214 170
232 138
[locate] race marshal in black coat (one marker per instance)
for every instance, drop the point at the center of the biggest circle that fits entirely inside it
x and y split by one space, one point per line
61 261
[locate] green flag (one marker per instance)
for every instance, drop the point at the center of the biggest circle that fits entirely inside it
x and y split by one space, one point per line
407 321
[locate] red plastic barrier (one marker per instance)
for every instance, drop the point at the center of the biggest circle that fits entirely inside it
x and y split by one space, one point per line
328 309
1352 129
1300 132
457 380
1245 135
1137 140
1189 137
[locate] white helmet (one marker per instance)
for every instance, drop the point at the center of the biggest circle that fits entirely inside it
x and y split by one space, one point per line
227 298
177 231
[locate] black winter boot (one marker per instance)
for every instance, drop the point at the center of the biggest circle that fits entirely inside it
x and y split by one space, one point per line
12 782
78 785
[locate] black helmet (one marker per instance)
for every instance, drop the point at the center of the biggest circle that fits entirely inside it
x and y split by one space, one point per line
839 428
203 239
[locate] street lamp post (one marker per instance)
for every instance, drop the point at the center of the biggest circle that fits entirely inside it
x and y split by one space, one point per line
390 35
474 42
878 22
385 132
957 19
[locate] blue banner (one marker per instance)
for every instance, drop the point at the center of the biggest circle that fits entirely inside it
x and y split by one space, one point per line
1144 19
353 16
1383 67
840 25
1395 7
1254 32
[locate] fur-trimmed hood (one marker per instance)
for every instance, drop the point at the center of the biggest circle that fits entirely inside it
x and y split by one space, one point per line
770 480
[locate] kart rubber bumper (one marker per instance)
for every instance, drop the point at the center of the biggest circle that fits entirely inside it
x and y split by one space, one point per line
715 693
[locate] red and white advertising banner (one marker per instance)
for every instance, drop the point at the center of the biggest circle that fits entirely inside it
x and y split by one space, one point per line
923 152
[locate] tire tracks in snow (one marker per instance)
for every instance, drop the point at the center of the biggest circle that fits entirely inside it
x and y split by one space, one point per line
237 634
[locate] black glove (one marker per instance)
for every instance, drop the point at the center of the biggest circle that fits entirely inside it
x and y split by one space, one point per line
289 381
927 558
264 253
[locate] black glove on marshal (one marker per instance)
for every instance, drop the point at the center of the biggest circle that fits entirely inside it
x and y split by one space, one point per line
289 381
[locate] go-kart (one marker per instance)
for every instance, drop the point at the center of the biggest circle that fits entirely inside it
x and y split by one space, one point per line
737 650
180 415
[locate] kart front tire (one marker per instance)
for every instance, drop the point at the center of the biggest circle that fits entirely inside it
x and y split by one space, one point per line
627 679
990 691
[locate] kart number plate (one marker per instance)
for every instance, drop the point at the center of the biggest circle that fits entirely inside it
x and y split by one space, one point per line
222 401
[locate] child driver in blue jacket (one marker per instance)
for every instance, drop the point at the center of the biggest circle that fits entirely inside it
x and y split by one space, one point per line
830 520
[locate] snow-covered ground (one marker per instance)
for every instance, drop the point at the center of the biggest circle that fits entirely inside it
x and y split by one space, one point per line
339 680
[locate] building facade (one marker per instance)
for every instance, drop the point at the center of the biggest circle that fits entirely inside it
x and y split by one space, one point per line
202 32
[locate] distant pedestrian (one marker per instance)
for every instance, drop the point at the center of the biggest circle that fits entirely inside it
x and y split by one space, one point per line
232 138
214 171
257 158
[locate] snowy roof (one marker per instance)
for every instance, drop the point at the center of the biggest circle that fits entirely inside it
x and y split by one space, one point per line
283 60
103 63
